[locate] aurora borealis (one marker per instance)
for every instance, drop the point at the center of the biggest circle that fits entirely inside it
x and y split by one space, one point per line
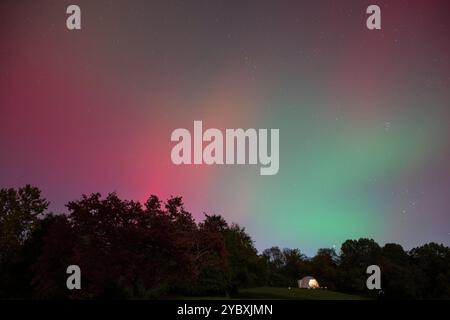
363 115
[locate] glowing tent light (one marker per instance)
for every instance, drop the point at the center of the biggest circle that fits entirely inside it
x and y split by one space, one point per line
308 283
313 284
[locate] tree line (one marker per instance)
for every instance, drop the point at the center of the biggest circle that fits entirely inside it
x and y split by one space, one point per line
129 250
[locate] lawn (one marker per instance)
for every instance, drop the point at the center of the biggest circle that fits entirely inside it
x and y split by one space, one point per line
277 293
294 294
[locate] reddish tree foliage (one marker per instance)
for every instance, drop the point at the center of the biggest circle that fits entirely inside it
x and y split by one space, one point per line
123 248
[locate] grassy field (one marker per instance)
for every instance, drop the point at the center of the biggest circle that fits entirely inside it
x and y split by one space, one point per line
294 294
286 294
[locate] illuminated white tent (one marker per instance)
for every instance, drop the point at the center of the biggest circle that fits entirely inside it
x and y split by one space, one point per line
308 283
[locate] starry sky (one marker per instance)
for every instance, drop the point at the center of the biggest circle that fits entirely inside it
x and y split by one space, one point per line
364 116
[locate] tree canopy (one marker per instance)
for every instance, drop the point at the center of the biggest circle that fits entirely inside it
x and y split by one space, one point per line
126 249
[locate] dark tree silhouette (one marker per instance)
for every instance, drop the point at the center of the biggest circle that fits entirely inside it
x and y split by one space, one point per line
19 218
325 267
356 256
157 250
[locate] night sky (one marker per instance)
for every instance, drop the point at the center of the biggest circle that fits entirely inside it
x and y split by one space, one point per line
364 116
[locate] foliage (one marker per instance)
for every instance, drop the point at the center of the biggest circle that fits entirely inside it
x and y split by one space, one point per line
127 250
